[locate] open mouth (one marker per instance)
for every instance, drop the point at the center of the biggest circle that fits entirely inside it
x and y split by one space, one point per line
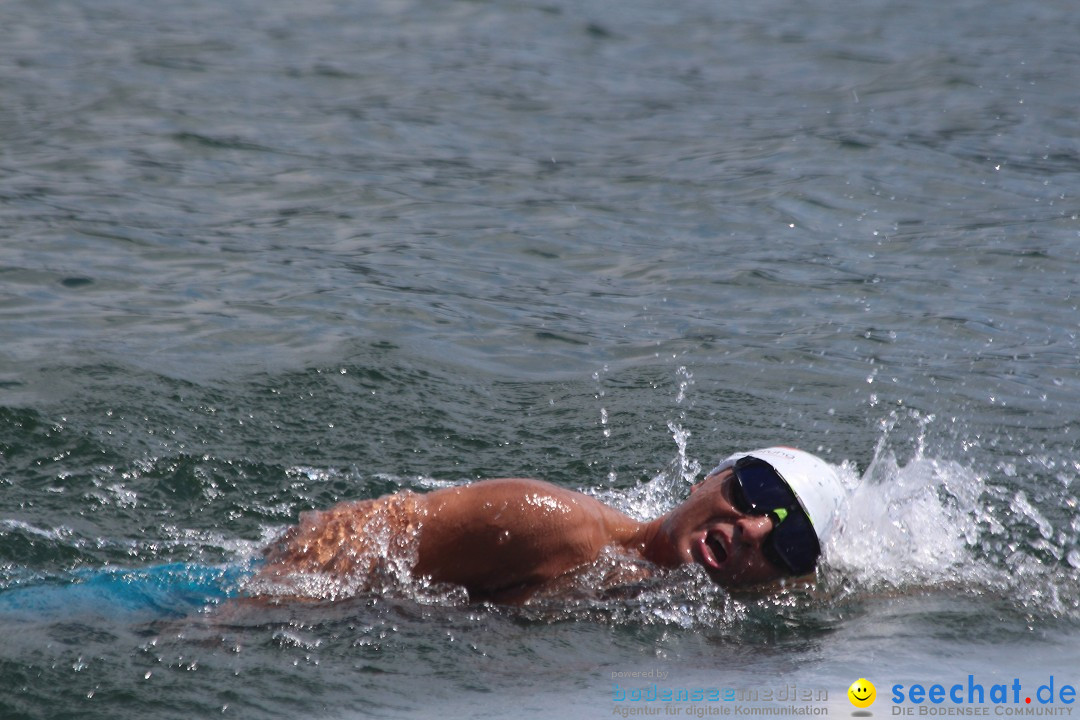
713 549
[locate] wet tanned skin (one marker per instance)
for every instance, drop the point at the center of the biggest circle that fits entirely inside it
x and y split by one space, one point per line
504 540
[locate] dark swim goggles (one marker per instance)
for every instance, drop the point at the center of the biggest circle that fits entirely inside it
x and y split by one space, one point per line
760 490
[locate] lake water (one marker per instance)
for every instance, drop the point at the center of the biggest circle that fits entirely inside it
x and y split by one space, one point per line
260 257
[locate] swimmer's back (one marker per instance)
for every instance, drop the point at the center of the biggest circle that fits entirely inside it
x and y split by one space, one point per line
505 538
500 539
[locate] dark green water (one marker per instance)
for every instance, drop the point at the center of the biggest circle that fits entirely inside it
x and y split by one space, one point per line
257 258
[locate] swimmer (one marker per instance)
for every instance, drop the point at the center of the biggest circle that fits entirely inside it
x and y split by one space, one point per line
757 518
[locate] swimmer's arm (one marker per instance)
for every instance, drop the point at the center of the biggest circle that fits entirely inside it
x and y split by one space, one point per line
502 539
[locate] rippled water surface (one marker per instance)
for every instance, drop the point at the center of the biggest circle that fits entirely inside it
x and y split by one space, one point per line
260 257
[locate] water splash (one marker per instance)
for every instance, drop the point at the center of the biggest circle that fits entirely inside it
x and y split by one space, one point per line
902 526
933 523
352 548
598 378
687 469
668 486
686 379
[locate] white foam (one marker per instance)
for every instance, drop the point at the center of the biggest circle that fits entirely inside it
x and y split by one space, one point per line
906 525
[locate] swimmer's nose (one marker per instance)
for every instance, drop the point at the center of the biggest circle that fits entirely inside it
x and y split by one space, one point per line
755 528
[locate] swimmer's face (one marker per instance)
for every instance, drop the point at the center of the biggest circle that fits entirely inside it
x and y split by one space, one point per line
708 530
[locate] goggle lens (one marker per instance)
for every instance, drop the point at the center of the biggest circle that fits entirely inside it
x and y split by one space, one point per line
760 490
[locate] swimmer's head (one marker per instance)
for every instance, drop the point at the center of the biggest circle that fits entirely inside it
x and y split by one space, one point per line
814 482
759 517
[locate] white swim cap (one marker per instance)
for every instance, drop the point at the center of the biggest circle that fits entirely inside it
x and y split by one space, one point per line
815 483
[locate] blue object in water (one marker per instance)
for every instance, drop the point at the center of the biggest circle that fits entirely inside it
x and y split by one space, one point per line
171 590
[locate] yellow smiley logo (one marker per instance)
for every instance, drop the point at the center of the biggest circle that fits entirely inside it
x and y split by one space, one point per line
862 693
